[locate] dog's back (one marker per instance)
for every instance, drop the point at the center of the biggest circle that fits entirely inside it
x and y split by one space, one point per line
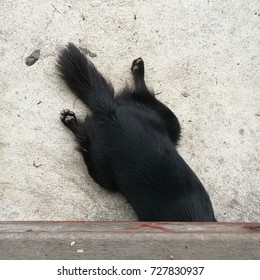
148 169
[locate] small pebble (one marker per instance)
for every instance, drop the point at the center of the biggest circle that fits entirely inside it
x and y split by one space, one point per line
72 243
185 93
80 251
32 58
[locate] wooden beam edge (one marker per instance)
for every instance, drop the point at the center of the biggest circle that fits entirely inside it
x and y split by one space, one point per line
129 240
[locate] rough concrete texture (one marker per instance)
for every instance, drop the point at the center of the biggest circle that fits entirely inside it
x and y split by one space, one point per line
204 58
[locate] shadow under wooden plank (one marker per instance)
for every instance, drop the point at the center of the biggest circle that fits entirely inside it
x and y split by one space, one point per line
129 240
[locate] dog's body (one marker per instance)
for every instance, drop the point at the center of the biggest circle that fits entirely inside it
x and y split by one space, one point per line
129 144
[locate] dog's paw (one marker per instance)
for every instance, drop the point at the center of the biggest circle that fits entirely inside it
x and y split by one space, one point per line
68 117
138 66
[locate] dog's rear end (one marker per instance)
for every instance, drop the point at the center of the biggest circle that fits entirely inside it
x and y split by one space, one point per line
129 144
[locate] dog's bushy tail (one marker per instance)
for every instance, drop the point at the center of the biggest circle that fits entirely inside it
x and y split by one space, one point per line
84 80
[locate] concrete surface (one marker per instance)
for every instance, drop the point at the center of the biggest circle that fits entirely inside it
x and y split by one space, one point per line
204 58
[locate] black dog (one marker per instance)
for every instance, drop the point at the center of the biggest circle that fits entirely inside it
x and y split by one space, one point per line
129 144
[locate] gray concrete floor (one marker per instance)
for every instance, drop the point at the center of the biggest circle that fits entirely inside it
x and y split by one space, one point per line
203 56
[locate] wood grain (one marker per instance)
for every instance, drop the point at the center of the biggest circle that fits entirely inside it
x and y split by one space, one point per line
129 240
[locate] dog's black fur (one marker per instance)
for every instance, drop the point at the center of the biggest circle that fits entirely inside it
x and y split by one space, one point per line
129 144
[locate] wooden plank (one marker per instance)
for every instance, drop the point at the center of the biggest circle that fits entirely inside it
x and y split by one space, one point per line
129 240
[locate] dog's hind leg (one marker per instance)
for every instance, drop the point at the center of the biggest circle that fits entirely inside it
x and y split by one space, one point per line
98 164
143 95
138 75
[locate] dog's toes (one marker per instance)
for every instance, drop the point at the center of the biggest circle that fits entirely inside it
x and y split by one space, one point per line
67 112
